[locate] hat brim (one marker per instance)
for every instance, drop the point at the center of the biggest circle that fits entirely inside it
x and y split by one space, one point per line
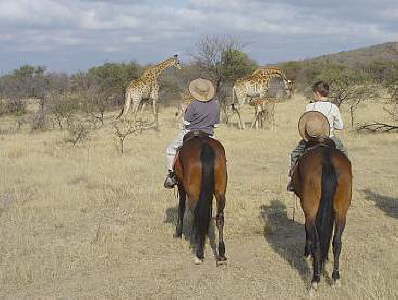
201 97
324 127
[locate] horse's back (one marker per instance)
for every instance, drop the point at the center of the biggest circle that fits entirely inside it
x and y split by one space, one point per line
189 163
190 153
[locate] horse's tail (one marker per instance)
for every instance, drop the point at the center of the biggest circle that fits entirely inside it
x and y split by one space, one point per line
203 210
325 215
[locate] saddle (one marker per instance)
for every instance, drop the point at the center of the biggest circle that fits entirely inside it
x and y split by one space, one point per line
189 136
311 145
194 134
320 142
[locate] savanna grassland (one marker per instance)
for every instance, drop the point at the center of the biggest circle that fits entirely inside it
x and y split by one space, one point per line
90 222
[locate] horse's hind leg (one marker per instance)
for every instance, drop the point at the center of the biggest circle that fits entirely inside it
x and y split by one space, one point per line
338 232
315 247
220 198
307 249
181 211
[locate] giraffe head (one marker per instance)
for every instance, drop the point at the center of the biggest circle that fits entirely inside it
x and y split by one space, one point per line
176 62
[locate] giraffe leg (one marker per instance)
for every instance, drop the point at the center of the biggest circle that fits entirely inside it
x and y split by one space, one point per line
126 107
143 106
273 116
155 98
256 116
241 125
136 104
155 113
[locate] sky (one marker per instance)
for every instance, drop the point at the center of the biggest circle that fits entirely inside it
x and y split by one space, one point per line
74 35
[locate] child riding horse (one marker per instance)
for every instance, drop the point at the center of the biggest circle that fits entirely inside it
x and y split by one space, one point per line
323 182
330 111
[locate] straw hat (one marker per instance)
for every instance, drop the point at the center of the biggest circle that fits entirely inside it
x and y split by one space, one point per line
313 125
201 89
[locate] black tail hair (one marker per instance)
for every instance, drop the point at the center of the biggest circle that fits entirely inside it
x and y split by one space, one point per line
325 215
203 209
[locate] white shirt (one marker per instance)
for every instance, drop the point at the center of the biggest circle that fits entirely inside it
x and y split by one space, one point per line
330 111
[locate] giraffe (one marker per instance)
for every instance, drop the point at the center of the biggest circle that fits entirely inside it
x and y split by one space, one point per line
264 111
274 70
268 70
262 84
147 87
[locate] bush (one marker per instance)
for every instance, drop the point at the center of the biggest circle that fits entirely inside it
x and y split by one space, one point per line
78 131
15 106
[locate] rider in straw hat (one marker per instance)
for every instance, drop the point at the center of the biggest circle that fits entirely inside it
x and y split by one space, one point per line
321 119
203 114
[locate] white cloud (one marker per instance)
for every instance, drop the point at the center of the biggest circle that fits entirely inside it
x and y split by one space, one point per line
147 30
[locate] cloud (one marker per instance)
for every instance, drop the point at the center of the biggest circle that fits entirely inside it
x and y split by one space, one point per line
91 31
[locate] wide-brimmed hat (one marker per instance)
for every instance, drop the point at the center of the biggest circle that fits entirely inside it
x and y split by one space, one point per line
313 125
201 89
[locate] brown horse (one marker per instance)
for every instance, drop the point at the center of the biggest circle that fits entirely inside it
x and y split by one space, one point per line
323 182
201 173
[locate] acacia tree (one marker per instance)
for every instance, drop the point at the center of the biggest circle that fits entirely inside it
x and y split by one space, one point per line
222 60
96 101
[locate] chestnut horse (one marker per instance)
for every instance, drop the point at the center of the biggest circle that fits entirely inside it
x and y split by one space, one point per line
201 172
323 182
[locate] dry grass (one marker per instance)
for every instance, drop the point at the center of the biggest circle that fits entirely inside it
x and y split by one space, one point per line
89 222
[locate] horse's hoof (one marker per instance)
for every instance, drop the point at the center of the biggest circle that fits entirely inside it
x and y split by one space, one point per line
314 285
198 261
313 288
177 235
221 262
337 283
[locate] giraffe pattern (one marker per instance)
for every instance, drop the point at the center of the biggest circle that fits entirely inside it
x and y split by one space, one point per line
147 87
274 70
268 71
257 85
264 111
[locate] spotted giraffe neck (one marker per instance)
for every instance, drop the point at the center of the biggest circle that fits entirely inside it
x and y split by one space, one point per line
159 68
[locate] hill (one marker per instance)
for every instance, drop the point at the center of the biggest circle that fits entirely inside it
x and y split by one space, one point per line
380 52
378 63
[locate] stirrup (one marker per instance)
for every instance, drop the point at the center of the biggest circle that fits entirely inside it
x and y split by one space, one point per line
170 181
290 186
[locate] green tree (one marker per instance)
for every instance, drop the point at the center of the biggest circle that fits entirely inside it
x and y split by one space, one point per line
114 75
222 60
235 64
